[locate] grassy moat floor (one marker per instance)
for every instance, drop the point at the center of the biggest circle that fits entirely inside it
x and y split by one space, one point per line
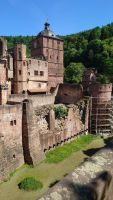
58 164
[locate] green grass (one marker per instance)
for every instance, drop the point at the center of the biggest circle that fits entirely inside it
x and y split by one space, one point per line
30 184
47 173
60 153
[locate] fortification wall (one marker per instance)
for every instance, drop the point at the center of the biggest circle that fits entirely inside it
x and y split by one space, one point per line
102 91
11 151
69 93
27 130
37 99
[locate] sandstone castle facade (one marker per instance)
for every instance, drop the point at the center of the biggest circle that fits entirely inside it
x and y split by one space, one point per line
30 90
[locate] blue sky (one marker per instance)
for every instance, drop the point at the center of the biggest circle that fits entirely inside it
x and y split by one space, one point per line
26 17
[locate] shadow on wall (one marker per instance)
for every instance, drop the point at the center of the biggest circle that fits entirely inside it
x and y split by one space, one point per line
99 189
25 136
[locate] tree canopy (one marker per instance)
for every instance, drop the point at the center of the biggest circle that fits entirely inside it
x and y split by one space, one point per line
74 72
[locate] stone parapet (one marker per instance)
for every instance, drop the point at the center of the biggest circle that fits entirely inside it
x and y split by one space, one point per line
92 180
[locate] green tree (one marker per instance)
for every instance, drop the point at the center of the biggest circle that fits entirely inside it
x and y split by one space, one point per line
95 34
74 72
103 79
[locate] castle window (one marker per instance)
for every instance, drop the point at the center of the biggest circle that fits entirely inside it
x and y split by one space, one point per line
11 123
20 72
19 54
38 62
41 73
14 156
30 62
45 64
28 73
39 85
35 45
36 73
24 63
50 57
14 122
47 118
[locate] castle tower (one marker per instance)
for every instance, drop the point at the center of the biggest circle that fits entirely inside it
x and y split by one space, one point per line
101 114
47 44
3 94
3 85
20 68
3 47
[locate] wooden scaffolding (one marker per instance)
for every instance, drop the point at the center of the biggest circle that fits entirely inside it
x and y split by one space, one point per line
101 116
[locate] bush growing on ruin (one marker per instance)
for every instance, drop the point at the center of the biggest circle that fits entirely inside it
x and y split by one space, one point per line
60 112
30 184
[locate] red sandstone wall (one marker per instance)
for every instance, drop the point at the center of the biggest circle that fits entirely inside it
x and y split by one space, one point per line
69 93
2 74
30 74
102 91
11 151
52 49
3 47
30 136
65 129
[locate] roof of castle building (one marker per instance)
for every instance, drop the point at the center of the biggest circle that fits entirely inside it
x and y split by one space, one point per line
47 31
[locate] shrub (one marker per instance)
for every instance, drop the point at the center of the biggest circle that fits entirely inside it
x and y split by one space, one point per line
60 112
30 184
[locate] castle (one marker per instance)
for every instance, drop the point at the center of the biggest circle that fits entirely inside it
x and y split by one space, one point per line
30 90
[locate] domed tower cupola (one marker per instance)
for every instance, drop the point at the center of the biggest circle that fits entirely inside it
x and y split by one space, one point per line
47 31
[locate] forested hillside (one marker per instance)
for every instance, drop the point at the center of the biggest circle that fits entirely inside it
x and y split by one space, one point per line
93 48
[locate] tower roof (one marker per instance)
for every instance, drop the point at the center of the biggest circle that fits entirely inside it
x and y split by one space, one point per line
47 31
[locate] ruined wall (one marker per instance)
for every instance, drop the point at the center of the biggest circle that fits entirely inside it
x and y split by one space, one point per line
69 93
3 94
101 108
3 47
54 131
11 151
89 77
101 91
10 63
30 135
2 73
42 130
38 99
